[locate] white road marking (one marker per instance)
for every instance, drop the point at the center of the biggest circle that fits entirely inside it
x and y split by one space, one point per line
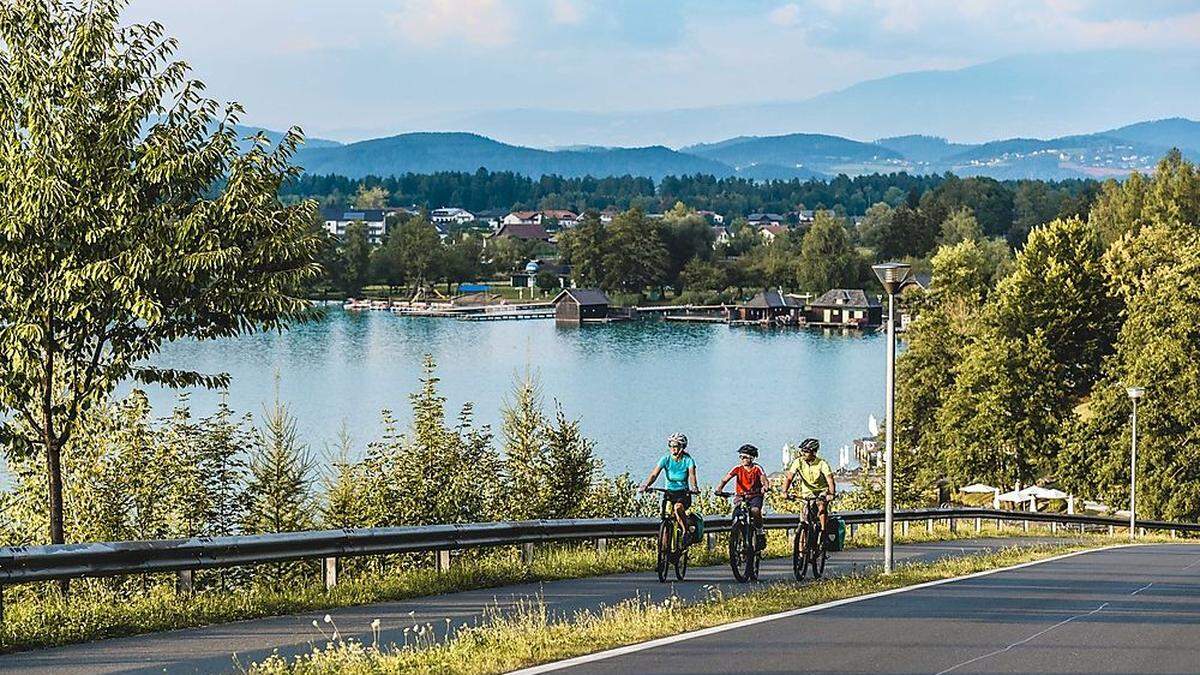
1018 643
1142 588
660 642
1193 564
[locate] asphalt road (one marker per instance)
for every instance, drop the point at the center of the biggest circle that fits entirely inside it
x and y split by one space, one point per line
215 648
1124 610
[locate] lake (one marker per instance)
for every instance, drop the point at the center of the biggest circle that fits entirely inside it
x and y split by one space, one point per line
631 384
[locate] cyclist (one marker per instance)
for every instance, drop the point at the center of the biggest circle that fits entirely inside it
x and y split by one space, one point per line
751 483
681 472
809 470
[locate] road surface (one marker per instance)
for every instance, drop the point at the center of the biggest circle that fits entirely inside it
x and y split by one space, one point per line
1121 610
214 648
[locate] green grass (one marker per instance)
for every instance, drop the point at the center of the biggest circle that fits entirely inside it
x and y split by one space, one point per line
36 616
529 636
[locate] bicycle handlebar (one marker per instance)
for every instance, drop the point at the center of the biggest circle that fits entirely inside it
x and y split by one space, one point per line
666 491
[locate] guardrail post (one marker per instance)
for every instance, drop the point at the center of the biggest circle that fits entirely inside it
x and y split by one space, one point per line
1053 527
953 525
602 545
527 553
853 529
329 572
999 524
710 541
929 525
1025 525
1141 531
1 605
1110 530
904 528
185 582
881 528
978 524
441 561
1174 534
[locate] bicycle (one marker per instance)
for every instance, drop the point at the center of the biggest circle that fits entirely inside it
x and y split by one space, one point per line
671 551
808 547
744 553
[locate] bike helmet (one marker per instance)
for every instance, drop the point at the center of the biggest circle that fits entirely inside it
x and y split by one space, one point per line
677 440
748 449
810 445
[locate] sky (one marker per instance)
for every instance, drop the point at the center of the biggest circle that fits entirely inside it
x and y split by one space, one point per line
365 68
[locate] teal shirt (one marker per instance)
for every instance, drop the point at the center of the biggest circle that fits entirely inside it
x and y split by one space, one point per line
677 471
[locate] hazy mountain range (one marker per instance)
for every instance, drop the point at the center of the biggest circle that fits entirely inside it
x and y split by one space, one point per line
1115 152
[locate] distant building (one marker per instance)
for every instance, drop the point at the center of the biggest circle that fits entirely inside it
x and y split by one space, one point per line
491 218
713 216
579 305
451 216
521 218
805 216
762 219
849 308
543 218
769 306
869 453
770 232
523 231
338 219
721 235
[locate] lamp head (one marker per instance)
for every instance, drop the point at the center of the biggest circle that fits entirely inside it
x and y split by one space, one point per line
1136 392
893 275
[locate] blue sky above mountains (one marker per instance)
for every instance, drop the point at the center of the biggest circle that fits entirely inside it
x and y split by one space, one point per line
374 67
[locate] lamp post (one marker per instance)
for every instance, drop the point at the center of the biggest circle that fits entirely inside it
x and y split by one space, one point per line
893 276
1135 393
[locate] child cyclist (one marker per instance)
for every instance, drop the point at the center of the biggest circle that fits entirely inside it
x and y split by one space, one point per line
751 483
681 471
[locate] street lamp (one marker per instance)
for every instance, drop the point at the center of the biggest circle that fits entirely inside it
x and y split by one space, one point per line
1135 393
893 276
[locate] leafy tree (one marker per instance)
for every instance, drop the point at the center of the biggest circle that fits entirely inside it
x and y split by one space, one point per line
413 252
703 276
127 224
462 259
827 260
370 197
573 468
687 236
960 226
874 227
583 248
355 255
635 257
911 234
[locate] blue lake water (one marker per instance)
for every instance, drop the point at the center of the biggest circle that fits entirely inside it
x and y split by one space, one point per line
631 384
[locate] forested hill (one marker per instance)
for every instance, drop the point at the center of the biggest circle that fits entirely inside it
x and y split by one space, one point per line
1111 153
429 152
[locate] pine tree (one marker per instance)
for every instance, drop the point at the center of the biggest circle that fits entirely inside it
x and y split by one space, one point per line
278 493
571 468
525 452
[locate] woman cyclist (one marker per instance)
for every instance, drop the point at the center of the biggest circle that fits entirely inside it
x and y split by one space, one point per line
681 473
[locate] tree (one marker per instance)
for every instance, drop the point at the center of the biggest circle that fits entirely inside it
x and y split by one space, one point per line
370 198
635 256
462 259
525 467
279 487
355 255
687 236
413 252
701 275
126 224
583 248
874 227
911 234
960 226
827 260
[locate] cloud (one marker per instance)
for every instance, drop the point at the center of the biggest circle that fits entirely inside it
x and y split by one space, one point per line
566 12
785 15
432 23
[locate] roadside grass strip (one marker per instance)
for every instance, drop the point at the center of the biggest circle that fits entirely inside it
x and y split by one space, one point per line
531 636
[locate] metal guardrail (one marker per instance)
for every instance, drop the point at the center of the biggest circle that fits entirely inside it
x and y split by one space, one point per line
68 561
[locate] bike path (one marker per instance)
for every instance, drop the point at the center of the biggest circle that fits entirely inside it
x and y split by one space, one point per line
219 648
1120 610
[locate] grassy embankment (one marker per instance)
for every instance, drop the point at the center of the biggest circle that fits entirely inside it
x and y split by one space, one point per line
38 617
530 637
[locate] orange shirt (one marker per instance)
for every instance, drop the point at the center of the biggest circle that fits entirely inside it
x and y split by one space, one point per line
749 478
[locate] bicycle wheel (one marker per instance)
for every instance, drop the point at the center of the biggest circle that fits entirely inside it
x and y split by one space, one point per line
665 535
816 553
737 552
681 565
753 565
799 559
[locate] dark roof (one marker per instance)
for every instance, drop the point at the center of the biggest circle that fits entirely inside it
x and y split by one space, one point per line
523 231
584 297
772 299
365 215
924 280
759 217
845 297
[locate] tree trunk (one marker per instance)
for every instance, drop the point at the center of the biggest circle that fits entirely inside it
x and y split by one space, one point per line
54 483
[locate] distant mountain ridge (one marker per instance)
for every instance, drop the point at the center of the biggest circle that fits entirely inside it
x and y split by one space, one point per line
1115 152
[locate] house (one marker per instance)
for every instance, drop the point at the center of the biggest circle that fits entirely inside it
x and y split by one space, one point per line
712 216
770 232
761 219
521 218
338 219
721 235
451 216
580 305
805 216
522 231
543 218
851 308
490 218
769 306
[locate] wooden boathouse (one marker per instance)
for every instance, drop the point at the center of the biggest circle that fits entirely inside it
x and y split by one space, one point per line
580 305
769 306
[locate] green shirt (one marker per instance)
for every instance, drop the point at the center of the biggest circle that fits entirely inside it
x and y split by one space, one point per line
811 477
677 471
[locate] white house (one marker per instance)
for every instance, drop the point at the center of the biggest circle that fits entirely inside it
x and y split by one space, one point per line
451 215
720 235
522 218
337 220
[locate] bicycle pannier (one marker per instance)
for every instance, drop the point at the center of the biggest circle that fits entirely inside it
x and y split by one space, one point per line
835 538
698 523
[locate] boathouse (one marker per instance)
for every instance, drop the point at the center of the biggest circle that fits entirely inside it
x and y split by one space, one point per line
577 305
846 308
769 306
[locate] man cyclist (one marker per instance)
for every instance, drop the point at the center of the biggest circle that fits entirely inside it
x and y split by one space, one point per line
810 470
681 472
751 483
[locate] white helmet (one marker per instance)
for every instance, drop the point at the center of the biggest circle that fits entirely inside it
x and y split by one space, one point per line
677 440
